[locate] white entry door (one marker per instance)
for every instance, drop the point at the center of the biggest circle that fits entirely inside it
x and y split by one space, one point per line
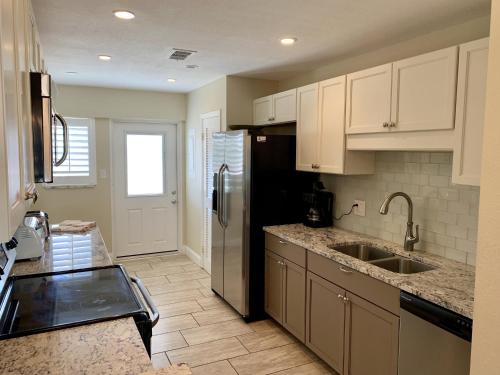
144 188
210 124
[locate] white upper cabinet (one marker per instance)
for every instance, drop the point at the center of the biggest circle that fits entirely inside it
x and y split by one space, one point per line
15 117
469 121
275 109
285 106
369 100
262 110
423 91
331 125
320 131
415 94
307 158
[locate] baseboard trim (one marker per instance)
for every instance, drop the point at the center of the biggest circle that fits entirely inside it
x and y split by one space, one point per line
191 254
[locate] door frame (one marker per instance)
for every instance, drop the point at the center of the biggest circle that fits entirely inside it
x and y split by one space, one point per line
205 260
180 181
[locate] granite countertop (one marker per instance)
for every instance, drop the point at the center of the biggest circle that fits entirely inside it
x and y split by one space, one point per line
450 285
68 251
112 347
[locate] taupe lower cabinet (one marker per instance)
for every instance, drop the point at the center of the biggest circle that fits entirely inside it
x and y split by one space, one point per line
274 286
285 294
325 315
371 339
347 318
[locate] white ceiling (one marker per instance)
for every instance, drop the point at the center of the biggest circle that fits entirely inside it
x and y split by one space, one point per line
231 36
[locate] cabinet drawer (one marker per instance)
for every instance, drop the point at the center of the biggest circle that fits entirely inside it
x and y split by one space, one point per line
286 250
378 292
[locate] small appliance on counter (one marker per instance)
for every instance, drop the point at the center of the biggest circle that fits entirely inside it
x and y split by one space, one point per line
318 207
32 235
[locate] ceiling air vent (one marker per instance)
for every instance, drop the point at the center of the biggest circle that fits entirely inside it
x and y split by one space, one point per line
180 54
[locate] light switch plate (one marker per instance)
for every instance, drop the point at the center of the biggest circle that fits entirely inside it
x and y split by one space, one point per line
361 209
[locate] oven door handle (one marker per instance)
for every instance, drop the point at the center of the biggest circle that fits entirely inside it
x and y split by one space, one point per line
147 298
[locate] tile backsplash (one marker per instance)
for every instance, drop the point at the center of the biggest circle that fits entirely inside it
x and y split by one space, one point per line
446 213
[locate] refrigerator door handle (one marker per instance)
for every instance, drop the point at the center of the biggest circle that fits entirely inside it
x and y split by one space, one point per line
221 212
219 195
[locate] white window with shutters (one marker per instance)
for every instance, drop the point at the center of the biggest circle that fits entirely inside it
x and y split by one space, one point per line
79 168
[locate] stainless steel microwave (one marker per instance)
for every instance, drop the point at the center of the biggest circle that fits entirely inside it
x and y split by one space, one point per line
44 121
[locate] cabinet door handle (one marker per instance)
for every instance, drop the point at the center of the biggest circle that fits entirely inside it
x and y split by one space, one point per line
392 124
33 194
385 124
283 242
346 299
340 296
345 270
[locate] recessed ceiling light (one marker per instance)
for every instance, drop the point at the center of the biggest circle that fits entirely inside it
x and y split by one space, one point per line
171 80
104 57
124 14
288 41
192 66
71 73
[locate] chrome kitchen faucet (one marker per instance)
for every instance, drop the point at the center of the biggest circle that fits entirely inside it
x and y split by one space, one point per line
410 239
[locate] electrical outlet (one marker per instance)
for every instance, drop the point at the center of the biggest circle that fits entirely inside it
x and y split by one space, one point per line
361 209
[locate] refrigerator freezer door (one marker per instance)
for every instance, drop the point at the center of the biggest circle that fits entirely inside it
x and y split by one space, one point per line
217 257
236 236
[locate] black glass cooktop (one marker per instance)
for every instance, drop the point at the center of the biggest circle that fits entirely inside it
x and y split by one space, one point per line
36 303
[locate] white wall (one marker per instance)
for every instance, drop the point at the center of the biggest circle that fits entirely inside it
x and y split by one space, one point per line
103 104
446 213
241 94
486 332
471 30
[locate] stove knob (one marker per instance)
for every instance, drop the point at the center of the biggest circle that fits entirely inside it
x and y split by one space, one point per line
12 244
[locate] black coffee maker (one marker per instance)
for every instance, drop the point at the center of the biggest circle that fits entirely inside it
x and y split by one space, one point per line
318 207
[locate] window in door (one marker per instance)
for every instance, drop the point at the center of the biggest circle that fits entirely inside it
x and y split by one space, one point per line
79 168
145 164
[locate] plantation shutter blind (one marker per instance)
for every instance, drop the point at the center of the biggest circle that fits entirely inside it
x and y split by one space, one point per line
79 166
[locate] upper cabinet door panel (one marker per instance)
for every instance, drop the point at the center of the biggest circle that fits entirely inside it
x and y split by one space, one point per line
469 121
423 91
368 100
262 110
331 123
285 106
307 127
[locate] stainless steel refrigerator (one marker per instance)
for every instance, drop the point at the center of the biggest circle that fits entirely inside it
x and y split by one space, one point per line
255 184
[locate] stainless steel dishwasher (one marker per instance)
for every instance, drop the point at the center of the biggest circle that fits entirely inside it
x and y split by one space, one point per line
432 339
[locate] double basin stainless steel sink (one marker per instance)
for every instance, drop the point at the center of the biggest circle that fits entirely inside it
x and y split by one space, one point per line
383 258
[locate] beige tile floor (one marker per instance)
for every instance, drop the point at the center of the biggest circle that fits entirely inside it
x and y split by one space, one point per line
198 328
